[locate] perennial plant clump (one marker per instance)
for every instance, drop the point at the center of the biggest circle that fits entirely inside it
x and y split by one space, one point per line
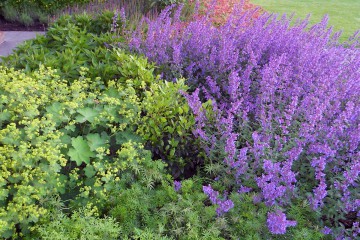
285 99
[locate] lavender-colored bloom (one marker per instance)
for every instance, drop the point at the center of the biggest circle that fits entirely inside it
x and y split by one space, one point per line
177 185
223 205
257 198
277 222
326 230
356 229
123 16
212 194
114 24
244 189
230 148
280 91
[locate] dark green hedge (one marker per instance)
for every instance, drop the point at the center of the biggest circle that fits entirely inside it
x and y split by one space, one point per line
28 12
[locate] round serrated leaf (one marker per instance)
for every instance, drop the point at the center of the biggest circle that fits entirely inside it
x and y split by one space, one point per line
80 151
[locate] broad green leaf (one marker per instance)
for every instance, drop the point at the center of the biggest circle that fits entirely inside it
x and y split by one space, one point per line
4 116
87 114
89 171
95 140
125 136
65 138
70 128
55 109
80 152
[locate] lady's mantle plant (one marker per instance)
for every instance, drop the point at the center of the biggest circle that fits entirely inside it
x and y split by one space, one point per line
76 139
286 104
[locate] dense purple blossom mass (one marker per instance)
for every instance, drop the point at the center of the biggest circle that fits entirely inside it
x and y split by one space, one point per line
223 205
277 222
286 101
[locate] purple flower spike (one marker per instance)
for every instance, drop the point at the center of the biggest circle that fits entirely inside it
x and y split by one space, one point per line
224 205
277 222
177 185
326 230
212 194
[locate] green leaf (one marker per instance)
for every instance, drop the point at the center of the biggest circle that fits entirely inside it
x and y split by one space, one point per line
4 116
80 152
125 136
96 141
89 171
65 138
87 114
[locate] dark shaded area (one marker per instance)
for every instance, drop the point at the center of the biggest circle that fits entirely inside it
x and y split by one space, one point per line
15 26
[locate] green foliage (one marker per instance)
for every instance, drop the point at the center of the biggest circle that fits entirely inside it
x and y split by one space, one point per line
33 9
164 3
30 148
167 124
46 124
83 224
161 212
95 23
66 47
147 234
26 19
9 13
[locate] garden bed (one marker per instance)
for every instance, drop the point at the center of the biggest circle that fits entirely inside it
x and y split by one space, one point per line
179 127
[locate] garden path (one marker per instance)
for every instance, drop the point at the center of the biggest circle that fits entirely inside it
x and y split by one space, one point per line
11 39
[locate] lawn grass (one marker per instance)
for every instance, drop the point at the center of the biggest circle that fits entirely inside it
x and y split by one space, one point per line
344 14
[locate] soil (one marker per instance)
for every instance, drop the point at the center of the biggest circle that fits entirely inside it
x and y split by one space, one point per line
15 26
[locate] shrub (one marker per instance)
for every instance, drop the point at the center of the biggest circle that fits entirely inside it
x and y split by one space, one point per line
167 124
164 3
44 5
29 11
285 103
26 19
9 13
33 140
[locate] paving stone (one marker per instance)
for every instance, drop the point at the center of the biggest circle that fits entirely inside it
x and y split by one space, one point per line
12 39
1 37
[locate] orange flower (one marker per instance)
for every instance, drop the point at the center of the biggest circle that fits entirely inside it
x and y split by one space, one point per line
221 9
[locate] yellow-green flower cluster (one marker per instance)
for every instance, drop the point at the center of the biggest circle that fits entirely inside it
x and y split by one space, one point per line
43 120
30 148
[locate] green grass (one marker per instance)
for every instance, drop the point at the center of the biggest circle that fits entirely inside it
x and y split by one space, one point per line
344 14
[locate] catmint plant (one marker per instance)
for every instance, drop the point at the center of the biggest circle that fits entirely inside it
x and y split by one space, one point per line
277 222
223 205
285 103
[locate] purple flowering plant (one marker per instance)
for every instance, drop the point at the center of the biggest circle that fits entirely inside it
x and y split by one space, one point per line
177 185
285 119
224 205
277 222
